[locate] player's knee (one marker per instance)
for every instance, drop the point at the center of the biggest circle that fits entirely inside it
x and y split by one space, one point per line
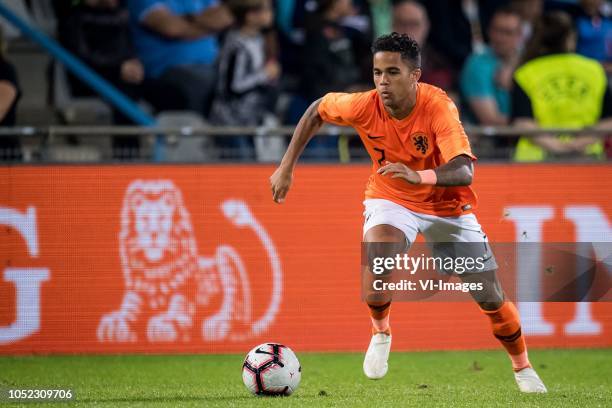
491 305
377 252
379 306
385 233
384 241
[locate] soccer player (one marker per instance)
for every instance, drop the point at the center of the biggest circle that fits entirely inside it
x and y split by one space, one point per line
421 173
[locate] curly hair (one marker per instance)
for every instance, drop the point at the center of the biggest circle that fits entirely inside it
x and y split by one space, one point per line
404 44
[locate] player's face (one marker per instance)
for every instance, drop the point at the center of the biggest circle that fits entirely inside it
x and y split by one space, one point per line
395 79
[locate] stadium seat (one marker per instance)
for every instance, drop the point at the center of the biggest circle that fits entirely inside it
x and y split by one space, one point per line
269 148
77 110
185 148
20 8
39 14
44 16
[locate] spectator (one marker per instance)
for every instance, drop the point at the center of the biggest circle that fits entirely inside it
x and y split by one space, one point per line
554 87
530 11
10 146
175 41
410 17
293 17
360 17
594 30
486 78
381 12
334 59
332 55
246 87
456 26
290 19
98 33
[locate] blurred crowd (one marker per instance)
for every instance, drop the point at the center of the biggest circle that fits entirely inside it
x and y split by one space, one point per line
262 62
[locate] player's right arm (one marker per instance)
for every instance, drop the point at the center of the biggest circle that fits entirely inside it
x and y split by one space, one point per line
310 122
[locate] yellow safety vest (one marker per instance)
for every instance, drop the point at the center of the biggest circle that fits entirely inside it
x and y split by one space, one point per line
565 90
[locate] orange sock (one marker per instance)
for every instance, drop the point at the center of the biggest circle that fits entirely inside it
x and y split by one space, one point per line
506 326
380 318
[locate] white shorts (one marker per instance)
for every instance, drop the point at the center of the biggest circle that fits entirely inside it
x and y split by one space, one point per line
439 232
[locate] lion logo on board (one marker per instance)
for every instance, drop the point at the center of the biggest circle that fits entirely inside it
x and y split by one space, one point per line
169 284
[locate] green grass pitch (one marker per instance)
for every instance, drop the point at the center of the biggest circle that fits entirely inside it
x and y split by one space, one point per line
453 379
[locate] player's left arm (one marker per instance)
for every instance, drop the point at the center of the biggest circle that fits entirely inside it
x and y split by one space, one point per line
455 151
459 171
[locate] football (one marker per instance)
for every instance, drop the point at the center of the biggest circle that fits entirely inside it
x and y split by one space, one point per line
271 369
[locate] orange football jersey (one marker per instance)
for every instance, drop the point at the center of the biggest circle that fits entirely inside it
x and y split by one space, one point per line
429 137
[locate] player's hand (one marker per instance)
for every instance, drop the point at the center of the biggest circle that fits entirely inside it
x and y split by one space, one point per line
280 182
400 170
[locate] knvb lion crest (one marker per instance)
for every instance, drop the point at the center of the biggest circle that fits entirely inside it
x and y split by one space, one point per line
168 284
421 143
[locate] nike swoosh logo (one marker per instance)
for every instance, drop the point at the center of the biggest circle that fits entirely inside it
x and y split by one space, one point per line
375 137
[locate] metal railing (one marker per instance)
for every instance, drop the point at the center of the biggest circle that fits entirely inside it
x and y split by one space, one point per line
38 143
328 130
